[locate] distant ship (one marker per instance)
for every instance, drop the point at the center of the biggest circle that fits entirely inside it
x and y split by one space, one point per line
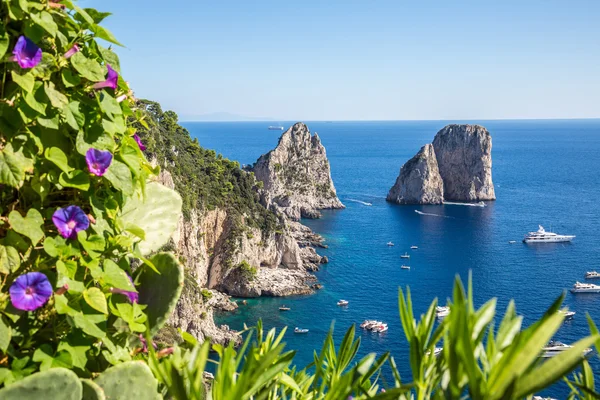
541 236
276 128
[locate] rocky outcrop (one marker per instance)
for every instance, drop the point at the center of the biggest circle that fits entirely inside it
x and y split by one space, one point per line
464 155
419 181
456 167
296 176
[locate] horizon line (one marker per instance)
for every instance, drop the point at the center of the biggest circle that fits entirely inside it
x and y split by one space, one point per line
405 120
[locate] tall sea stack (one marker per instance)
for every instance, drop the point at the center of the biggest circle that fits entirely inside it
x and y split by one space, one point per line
296 175
463 162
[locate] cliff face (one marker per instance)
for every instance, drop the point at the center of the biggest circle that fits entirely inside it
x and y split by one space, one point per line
456 167
464 155
419 181
296 175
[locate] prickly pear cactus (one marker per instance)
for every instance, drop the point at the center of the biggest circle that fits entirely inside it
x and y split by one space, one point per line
161 292
91 391
55 383
128 381
157 214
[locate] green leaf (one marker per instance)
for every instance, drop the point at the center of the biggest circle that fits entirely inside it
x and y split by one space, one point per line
5 334
110 58
43 354
98 140
82 15
59 158
36 99
116 277
77 179
77 115
9 259
50 123
96 299
45 20
4 41
13 166
26 81
109 104
120 176
89 327
136 230
57 99
105 34
89 69
69 79
96 15
29 226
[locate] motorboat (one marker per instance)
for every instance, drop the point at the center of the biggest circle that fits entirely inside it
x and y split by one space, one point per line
414 247
300 330
541 236
367 323
585 288
276 128
436 351
380 328
543 398
284 308
592 275
568 314
405 266
342 303
442 311
554 348
512 241
405 255
390 244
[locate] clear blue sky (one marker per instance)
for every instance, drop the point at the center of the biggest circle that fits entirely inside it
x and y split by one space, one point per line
361 59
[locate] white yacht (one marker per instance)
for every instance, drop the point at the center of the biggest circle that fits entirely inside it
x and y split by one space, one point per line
554 348
592 275
541 236
390 244
436 351
366 323
442 311
568 314
380 327
405 266
585 288
414 247
405 255
342 303
300 330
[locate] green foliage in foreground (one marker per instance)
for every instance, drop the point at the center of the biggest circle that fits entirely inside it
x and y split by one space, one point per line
202 178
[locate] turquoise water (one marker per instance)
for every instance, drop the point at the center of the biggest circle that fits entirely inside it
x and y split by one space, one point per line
545 172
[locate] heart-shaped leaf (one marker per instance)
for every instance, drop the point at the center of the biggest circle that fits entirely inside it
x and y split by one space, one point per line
29 226
96 299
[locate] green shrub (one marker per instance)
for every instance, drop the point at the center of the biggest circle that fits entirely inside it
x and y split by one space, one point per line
206 294
248 271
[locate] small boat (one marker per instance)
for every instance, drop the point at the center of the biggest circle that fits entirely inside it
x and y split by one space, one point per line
405 255
512 241
592 275
372 324
390 244
366 323
568 314
276 128
436 351
414 247
543 398
284 308
380 328
585 288
299 330
554 348
442 312
405 266
342 303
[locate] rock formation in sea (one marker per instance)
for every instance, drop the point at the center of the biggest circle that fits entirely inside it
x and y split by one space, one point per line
419 181
464 156
296 175
456 167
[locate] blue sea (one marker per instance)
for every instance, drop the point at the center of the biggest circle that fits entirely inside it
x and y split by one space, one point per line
545 172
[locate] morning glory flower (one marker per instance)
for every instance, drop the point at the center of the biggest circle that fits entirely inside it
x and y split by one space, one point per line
69 221
71 51
139 142
30 291
98 161
111 79
132 296
26 53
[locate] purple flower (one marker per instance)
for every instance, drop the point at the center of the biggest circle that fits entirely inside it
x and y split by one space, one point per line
30 291
132 296
69 221
27 53
71 51
98 161
139 142
145 344
111 79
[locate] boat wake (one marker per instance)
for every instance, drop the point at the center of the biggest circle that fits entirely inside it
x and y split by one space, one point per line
431 214
450 203
364 203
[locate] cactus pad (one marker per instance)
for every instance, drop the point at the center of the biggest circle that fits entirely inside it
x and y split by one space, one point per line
157 214
55 383
91 391
128 381
160 292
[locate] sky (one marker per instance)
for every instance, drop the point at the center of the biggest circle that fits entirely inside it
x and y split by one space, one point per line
362 60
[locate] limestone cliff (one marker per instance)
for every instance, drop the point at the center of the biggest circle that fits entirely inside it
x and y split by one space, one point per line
419 181
456 167
296 175
464 155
